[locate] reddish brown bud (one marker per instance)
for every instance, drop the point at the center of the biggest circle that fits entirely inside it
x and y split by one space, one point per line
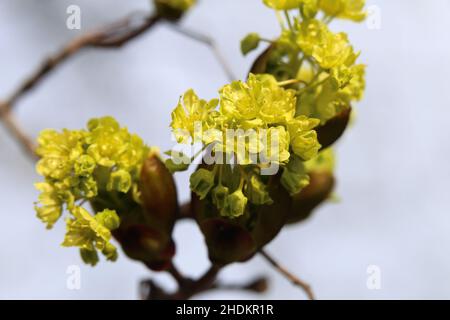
145 231
270 219
260 64
146 244
235 240
303 204
333 129
158 194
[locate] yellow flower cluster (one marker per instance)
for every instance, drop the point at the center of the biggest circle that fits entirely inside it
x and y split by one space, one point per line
324 62
260 115
78 165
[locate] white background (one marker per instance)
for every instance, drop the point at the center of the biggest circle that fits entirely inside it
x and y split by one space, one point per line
393 165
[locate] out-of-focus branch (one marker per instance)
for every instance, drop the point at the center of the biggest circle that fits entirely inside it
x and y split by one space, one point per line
258 285
186 211
187 287
291 277
19 134
202 38
112 36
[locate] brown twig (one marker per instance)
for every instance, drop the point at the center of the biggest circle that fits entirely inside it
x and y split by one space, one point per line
258 285
19 134
186 211
113 36
179 278
294 279
187 287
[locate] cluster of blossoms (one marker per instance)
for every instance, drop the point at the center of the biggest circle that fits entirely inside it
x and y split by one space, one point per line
266 156
79 166
323 62
255 125
309 77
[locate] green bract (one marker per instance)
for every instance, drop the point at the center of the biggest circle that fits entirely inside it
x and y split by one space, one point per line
78 165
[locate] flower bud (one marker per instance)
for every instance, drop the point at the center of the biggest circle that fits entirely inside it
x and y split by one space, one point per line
239 238
257 192
235 204
227 240
250 43
158 194
146 244
219 195
260 64
119 181
270 219
303 204
109 219
333 129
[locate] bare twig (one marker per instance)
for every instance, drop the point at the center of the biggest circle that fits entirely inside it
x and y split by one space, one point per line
258 285
186 211
194 35
112 36
19 134
176 274
186 286
294 279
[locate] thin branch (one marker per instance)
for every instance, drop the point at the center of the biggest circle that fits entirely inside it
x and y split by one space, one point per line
204 283
176 274
186 211
186 286
112 36
258 285
19 134
294 279
149 290
202 38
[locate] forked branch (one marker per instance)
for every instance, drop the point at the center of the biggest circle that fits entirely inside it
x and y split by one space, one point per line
291 277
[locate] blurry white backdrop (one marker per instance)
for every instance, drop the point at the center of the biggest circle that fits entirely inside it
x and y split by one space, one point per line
393 168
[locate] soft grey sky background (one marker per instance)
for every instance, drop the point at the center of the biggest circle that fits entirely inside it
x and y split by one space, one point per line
393 165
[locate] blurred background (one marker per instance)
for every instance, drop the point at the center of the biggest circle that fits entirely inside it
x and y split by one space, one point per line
393 166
